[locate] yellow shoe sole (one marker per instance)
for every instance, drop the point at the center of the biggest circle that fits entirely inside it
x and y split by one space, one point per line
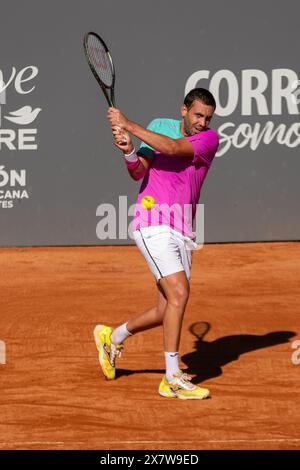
109 375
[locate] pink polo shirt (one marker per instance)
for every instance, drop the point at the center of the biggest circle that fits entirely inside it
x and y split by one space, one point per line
174 182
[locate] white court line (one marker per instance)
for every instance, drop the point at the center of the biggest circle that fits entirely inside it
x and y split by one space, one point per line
32 443
155 442
201 441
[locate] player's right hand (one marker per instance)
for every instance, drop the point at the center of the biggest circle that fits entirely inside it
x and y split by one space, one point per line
122 139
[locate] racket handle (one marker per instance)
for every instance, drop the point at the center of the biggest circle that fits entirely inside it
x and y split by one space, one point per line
124 141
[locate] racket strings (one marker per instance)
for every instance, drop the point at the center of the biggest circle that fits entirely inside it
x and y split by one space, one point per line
100 60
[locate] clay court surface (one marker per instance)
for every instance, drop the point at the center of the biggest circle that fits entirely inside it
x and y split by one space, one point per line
53 395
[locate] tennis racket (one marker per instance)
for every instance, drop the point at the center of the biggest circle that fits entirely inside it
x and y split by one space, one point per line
101 65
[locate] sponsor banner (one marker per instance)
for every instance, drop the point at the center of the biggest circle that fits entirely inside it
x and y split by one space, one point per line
18 131
262 100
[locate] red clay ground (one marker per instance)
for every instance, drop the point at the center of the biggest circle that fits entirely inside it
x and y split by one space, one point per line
53 395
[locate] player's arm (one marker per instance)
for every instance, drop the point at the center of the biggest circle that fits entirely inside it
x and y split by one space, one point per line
123 141
166 145
141 169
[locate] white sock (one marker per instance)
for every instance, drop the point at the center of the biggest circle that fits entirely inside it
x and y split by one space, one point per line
172 364
120 334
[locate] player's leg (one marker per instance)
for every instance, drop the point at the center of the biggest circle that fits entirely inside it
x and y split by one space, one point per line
176 288
152 317
110 342
149 319
173 293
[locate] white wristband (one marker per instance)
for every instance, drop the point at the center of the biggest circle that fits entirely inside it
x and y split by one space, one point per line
131 157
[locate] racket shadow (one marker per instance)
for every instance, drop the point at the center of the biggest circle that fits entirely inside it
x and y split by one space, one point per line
208 358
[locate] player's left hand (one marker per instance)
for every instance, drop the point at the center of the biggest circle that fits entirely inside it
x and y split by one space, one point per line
117 118
122 139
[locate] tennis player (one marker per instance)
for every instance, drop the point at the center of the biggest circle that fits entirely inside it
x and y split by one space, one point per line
172 162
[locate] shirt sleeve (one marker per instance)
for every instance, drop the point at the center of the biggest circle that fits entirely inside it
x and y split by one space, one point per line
205 146
145 150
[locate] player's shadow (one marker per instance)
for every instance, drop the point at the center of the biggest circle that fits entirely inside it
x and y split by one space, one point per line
208 358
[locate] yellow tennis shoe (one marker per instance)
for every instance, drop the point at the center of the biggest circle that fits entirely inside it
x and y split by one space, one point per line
181 387
108 352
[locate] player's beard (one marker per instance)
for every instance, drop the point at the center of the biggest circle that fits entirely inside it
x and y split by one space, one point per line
187 127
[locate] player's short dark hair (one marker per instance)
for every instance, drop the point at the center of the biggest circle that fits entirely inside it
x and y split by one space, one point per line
200 94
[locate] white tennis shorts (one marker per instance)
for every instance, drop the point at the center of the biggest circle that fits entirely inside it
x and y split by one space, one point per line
165 250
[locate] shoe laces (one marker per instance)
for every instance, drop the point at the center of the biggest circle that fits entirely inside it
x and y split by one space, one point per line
184 380
115 351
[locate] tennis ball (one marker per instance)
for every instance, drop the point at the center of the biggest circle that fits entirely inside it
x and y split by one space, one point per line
148 202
